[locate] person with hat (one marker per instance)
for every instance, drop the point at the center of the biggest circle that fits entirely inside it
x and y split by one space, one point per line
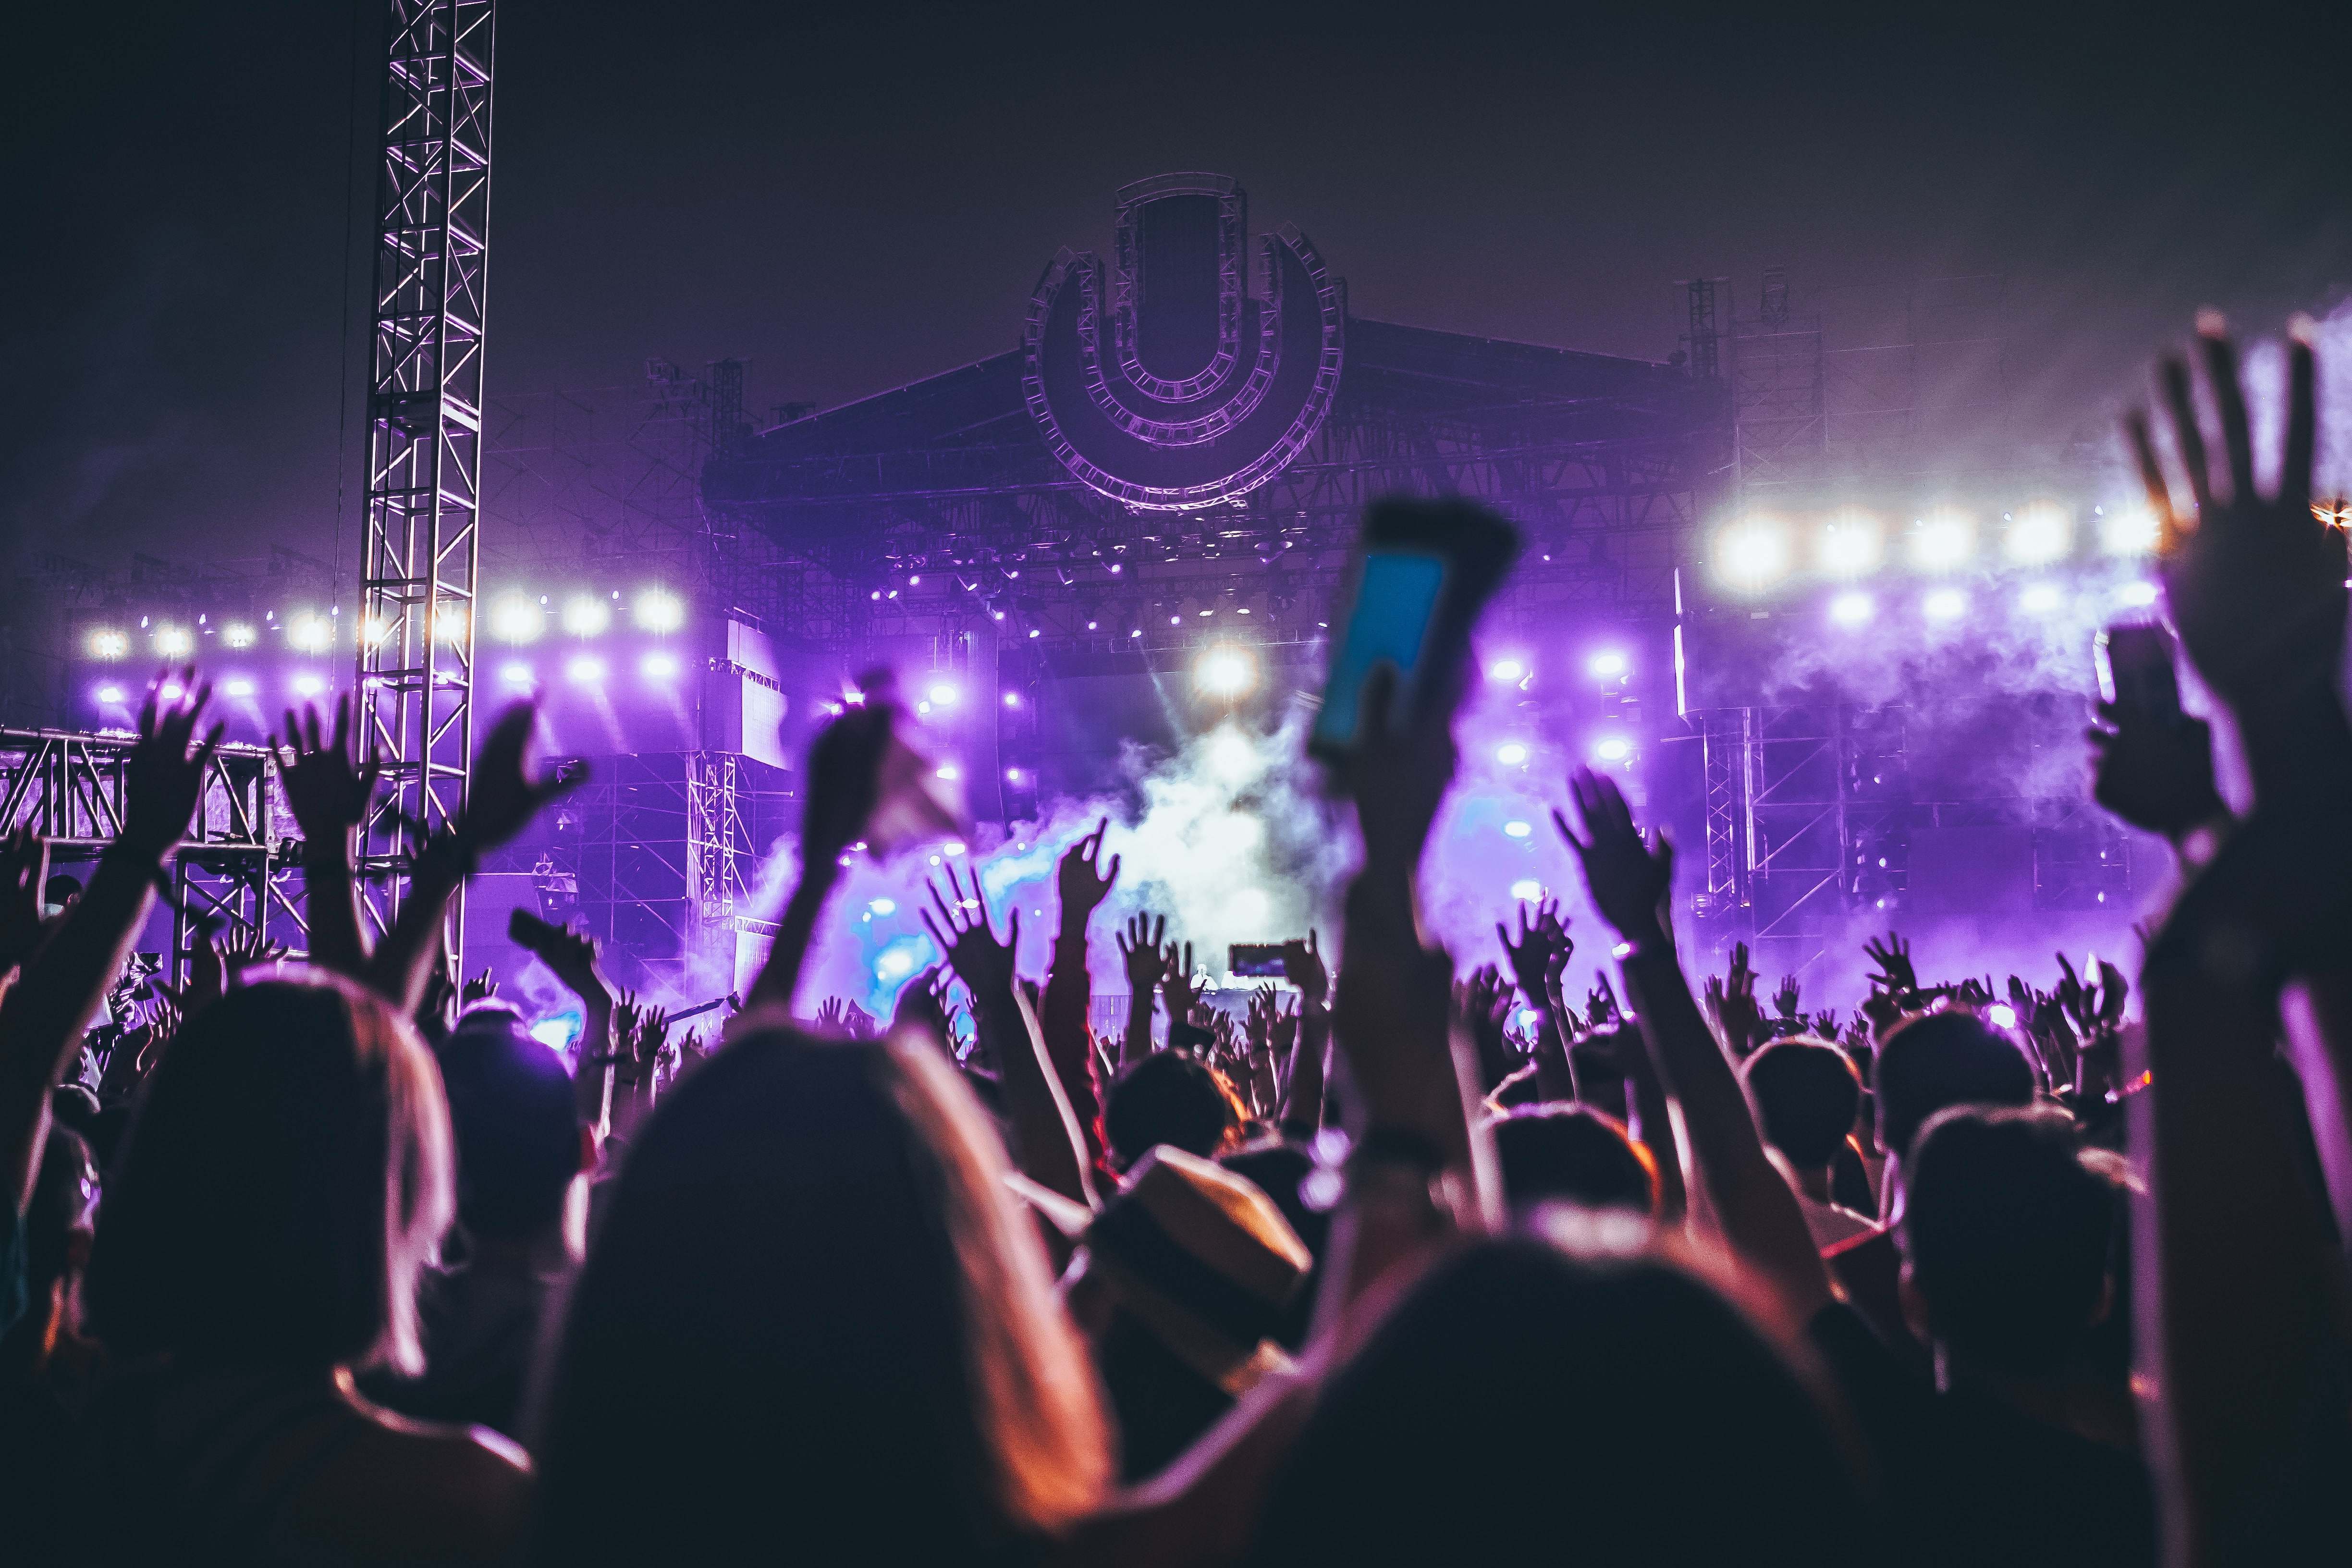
1184 1285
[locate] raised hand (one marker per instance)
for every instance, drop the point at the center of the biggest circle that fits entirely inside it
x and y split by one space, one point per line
327 788
2074 995
2255 585
1629 879
1894 973
1483 1005
832 1015
626 1015
1139 951
844 786
572 955
24 868
1540 939
1784 1000
2114 990
479 988
649 1043
1302 965
1601 1003
164 778
502 797
1735 1009
967 936
245 948
1176 984
922 1004
1083 882
1826 1023
2158 777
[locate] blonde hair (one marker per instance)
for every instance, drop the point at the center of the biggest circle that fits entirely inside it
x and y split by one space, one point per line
1040 1409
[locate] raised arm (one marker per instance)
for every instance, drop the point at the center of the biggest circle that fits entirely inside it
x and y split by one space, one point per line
573 956
328 790
502 797
1630 882
1047 1145
1083 882
1543 945
1140 952
62 984
1302 1088
843 773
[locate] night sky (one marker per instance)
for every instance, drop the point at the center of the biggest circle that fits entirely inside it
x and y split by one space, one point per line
854 204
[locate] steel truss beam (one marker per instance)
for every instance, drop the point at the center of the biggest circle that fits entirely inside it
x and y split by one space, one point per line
236 866
416 626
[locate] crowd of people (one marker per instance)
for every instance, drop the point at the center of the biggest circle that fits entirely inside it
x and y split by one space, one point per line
331 1261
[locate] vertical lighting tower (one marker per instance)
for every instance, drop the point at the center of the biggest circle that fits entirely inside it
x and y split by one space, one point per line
415 624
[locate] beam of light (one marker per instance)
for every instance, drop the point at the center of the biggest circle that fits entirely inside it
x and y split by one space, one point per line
1608 664
1945 604
108 644
2127 530
659 610
1507 671
1753 553
238 633
514 618
1226 672
1945 540
1852 544
2039 534
1852 609
584 617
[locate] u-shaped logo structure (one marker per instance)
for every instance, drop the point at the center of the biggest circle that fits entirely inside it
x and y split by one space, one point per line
1198 394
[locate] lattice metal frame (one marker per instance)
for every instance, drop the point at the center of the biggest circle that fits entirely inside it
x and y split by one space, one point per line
416 626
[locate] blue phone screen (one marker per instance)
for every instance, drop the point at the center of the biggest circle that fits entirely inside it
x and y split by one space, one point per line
1395 602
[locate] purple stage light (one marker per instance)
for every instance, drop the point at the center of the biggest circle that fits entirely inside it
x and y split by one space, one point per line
110 692
108 644
1510 753
1527 890
516 673
1945 604
1608 664
658 664
1516 829
1013 775
584 668
1613 749
945 696
2136 595
1013 700
2041 598
1507 671
237 686
308 685
586 618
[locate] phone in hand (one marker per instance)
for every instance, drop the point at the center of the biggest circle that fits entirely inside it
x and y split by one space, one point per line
1421 575
2136 674
1254 960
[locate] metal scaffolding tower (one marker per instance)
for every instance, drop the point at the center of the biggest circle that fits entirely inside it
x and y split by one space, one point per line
416 626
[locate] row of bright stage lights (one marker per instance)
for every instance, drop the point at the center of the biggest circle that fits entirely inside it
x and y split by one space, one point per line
514 618
1754 552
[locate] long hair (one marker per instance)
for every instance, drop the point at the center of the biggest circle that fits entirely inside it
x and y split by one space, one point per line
285 1179
815 1298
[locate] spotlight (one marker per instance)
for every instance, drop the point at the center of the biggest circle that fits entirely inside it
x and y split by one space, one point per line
658 664
377 629
307 633
2041 598
173 642
1135 633
110 692
238 687
659 610
2138 595
1753 552
1226 672
515 619
1945 604
2039 534
1507 671
516 673
2127 530
108 644
884 907
1034 631
586 618
238 633
1615 749
1013 775
1852 544
1946 539
1529 889
308 685
1607 664
584 670
1852 609
951 771
171 692
2002 1014
1510 753
944 695
1013 700
1516 829
450 623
